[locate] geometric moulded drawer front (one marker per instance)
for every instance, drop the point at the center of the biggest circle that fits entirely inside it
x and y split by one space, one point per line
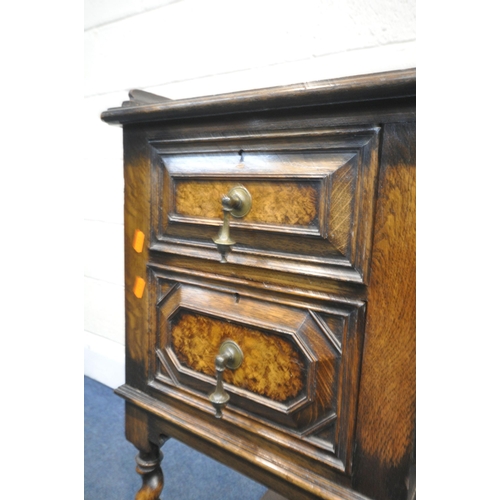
312 200
301 361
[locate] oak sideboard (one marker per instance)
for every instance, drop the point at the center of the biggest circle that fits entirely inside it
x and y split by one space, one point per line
270 284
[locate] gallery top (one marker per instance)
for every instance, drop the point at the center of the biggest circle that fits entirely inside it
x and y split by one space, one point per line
147 107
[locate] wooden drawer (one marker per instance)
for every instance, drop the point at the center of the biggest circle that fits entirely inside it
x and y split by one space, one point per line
312 199
300 370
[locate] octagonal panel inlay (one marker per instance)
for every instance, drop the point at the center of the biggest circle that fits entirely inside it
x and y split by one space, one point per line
272 366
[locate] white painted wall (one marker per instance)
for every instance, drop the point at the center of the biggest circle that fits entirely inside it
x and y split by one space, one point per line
187 48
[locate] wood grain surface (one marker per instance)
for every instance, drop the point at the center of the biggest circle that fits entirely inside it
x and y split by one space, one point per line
388 85
136 214
280 202
340 221
386 414
272 366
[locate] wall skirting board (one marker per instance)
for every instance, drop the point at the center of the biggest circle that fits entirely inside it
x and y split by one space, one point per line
104 360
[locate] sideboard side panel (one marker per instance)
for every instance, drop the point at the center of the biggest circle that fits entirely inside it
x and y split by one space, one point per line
137 218
386 409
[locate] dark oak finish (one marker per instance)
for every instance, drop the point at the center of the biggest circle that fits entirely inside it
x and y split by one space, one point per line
315 183
149 458
386 411
318 290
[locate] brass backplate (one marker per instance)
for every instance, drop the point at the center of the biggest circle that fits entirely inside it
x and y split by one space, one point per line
236 358
241 193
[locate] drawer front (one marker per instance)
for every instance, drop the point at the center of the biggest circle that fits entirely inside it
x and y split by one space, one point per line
312 200
300 369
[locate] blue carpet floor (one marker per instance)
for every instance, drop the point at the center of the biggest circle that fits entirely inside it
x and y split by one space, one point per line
110 460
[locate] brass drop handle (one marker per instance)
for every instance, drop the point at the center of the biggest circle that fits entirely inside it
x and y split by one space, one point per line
230 356
237 203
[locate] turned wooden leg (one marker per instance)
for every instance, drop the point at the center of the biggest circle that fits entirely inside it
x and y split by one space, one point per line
148 466
140 430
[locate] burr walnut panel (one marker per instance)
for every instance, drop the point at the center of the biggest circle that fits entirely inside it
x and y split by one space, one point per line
279 203
272 366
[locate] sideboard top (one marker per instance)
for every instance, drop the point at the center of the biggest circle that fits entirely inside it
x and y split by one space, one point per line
145 107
